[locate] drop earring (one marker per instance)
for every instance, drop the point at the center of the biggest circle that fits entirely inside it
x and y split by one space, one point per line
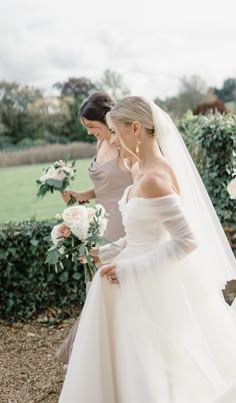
137 147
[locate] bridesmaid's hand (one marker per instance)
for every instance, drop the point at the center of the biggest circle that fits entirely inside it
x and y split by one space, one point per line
109 270
79 196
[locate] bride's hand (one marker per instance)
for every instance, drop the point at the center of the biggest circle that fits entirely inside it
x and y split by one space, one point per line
109 270
93 252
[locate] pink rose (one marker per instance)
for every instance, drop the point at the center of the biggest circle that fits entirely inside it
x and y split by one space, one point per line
62 163
64 231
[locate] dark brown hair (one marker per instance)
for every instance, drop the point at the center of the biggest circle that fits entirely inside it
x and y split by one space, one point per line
96 106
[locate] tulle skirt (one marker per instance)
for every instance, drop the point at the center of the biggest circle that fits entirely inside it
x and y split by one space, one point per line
158 337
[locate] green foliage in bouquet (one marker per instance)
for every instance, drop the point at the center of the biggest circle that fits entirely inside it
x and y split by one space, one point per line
80 229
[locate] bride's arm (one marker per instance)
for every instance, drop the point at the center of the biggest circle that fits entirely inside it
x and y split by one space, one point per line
181 242
108 252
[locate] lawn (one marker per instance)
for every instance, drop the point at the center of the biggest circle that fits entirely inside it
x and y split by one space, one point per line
18 199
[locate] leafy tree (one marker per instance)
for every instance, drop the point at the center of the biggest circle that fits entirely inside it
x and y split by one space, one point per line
77 87
73 129
113 83
193 90
228 91
14 102
72 93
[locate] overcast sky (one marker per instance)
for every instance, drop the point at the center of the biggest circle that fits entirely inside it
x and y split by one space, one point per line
152 43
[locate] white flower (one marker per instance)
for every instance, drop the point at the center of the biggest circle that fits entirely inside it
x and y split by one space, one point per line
91 213
102 225
59 174
50 173
74 213
231 188
80 229
58 216
55 234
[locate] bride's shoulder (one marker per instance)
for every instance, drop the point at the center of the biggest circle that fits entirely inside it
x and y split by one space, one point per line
154 185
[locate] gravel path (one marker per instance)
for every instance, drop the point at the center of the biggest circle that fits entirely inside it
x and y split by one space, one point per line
29 373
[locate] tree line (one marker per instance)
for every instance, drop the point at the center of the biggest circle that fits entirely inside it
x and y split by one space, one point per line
30 118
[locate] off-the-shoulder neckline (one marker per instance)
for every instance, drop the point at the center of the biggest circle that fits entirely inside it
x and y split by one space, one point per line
148 198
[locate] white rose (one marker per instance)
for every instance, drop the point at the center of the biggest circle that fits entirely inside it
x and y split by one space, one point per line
59 174
55 234
231 188
91 213
80 229
47 175
74 213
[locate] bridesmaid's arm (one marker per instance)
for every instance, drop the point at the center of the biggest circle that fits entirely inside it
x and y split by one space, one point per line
81 197
88 194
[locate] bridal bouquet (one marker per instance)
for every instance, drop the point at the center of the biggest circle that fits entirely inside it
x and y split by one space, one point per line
80 228
57 177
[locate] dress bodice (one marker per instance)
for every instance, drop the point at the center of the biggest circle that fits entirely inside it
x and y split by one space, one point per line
109 179
141 218
109 182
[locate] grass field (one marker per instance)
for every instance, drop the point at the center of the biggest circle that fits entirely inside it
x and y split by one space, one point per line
18 191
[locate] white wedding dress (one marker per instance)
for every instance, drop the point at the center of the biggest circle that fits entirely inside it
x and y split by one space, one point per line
160 336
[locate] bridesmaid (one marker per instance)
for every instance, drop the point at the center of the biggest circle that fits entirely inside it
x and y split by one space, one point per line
110 178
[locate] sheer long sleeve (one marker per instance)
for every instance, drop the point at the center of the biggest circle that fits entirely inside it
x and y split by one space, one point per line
180 243
108 252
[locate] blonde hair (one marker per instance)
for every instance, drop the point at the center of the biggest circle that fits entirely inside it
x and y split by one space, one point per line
131 109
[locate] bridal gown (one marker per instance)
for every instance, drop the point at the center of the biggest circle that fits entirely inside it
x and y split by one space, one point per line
160 336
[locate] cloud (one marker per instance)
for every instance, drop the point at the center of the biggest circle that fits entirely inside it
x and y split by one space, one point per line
152 45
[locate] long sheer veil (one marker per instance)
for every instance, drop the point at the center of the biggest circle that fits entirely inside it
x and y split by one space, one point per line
214 258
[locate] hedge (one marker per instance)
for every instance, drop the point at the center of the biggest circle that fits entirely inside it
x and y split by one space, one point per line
211 140
29 288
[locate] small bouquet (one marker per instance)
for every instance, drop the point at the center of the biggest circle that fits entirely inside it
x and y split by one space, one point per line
231 188
57 177
80 229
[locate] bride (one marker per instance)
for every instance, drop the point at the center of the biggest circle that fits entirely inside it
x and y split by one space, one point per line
155 327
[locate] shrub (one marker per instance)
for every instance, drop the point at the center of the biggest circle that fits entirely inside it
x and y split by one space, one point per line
211 140
28 286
